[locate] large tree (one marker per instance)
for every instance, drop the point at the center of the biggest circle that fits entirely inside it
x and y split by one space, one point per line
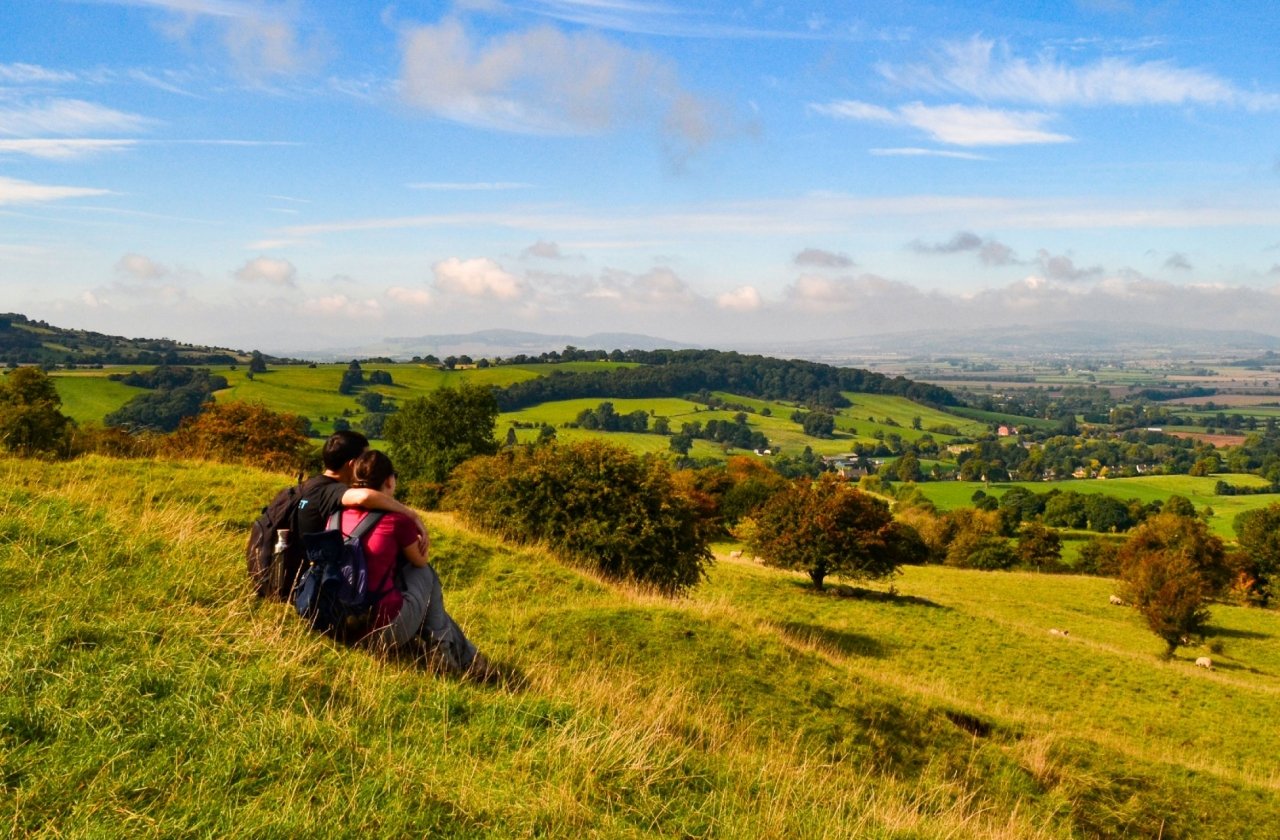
828 528
1169 567
30 420
1258 532
431 435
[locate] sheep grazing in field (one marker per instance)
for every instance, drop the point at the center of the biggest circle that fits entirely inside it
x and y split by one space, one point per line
734 555
1117 601
1204 662
1054 631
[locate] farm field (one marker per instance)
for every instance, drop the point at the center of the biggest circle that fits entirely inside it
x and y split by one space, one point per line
1198 489
142 699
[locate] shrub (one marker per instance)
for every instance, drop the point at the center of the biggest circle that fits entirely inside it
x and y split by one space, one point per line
243 433
598 504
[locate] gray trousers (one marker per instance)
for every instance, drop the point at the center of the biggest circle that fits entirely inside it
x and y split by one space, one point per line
423 614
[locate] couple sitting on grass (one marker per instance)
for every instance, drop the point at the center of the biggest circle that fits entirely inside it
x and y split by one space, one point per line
410 615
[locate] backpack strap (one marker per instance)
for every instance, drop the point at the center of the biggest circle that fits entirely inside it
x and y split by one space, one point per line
364 525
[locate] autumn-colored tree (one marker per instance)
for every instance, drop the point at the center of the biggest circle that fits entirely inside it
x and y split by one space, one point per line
1039 547
31 422
243 433
1258 532
1169 567
976 541
827 528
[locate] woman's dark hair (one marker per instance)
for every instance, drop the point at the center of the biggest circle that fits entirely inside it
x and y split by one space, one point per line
372 469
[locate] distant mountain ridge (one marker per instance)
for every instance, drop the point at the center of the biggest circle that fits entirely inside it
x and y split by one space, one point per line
490 343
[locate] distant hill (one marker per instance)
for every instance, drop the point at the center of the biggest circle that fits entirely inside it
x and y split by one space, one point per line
1063 340
489 343
27 341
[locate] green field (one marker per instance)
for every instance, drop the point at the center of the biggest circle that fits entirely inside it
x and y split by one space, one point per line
91 397
1198 489
145 693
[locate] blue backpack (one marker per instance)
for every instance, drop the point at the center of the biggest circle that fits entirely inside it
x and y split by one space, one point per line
333 590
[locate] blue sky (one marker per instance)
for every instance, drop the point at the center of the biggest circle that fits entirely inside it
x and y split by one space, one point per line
313 173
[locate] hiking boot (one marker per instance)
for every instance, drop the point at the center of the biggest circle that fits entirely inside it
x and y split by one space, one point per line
482 671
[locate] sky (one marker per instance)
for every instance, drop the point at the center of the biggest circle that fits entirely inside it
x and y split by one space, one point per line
302 174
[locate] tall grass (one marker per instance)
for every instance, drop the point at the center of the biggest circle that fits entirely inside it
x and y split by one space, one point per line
143 692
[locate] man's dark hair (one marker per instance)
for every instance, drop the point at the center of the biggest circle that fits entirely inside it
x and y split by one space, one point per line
342 447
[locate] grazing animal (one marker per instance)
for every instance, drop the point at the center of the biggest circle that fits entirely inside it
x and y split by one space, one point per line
1054 631
1117 601
734 555
1204 662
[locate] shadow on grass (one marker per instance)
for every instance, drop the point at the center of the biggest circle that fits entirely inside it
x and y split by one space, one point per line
844 590
1232 633
849 644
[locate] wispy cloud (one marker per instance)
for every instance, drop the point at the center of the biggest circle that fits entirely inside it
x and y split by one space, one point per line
67 117
741 299
13 191
958 125
918 152
475 186
816 257
268 271
989 251
63 149
984 69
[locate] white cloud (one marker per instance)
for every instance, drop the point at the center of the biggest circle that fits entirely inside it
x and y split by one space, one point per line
741 299
268 271
543 250
822 259
977 68
655 289
341 306
64 149
1058 267
917 152
140 267
544 81
67 116
420 298
25 74
477 278
13 191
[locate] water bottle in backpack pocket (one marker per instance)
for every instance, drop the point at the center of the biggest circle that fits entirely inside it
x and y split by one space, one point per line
334 585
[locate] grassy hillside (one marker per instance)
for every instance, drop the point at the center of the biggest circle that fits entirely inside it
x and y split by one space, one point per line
313 393
144 693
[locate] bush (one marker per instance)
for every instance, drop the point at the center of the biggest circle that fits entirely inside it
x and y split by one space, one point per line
431 435
601 506
243 433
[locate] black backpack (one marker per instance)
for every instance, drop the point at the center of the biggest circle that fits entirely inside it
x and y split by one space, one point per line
272 572
333 593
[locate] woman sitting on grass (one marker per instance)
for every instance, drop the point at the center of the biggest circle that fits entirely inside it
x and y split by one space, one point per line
410 615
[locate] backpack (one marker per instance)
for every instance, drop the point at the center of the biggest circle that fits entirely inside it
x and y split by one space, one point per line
272 569
333 590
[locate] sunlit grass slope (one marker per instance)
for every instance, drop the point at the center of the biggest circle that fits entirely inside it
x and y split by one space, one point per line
144 693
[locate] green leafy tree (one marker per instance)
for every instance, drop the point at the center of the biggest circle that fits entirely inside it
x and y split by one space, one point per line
1258 533
819 424
431 435
30 418
907 468
827 528
1039 547
257 364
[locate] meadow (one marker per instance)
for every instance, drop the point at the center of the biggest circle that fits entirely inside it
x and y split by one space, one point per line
146 693
947 495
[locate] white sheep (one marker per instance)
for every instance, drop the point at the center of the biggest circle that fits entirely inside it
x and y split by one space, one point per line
1054 631
734 555
1117 601
1204 662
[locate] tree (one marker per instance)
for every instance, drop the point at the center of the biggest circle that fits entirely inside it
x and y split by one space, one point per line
907 468
819 424
30 420
828 528
1169 567
976 541
431 435
257 364
1039 547
352 378
1258 532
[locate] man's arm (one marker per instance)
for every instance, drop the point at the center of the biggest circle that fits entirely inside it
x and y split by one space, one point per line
370 499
